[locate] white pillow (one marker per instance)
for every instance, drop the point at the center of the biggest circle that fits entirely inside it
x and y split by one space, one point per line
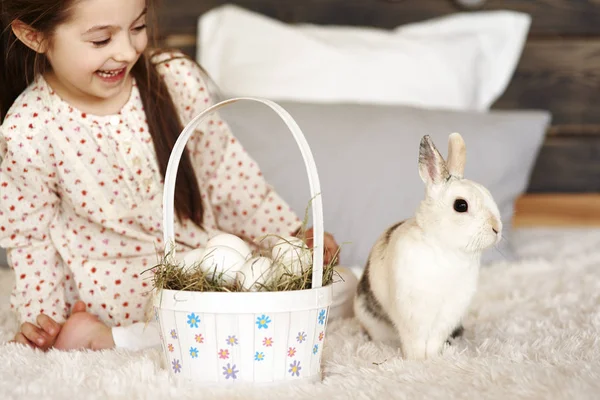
461 61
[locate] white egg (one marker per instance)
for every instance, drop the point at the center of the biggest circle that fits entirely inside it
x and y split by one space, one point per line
193 257
232 241
222 262
293 254
255 273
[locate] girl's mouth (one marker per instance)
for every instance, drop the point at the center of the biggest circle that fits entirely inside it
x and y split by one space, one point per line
112 75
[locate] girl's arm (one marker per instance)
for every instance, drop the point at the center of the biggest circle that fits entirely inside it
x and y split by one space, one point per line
28 205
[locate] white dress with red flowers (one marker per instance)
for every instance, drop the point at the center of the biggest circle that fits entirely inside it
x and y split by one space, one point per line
81 198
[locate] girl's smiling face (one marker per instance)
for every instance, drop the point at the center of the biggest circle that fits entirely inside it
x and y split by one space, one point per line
93 52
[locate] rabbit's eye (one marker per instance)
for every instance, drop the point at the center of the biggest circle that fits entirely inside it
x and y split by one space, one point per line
460 205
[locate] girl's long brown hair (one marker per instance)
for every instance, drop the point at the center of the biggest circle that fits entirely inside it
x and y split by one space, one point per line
20 65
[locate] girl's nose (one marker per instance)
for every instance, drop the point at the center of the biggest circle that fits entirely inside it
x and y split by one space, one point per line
125 51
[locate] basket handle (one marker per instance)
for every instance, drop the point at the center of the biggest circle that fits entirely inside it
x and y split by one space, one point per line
311 169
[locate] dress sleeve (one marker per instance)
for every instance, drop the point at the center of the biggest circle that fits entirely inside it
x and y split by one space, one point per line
28 205
232 184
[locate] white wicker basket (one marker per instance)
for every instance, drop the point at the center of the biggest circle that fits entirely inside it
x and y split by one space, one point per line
251 337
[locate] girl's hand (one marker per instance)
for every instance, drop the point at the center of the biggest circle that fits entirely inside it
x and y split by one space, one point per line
42 337
46 335
331 251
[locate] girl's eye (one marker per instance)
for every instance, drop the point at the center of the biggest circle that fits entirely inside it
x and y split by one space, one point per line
139 28
101 43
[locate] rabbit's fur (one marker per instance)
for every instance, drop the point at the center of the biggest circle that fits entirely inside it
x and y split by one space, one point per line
422 273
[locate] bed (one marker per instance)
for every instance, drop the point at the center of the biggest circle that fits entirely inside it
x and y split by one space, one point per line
533 326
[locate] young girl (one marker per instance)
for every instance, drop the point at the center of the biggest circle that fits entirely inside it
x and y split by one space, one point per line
89 117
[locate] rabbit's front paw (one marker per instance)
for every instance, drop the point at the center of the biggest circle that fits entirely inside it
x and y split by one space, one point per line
414 349
434 347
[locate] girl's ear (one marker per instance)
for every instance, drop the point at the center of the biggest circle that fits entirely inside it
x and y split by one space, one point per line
30 37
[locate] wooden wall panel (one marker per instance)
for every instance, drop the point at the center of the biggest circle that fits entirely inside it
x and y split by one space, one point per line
567 164
549 17
562 76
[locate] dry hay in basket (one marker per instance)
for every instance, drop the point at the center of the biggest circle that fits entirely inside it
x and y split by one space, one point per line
172 276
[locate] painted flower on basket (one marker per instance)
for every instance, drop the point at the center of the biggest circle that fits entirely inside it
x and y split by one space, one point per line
259 356
193 320
176 366
193 352
199 338
263 322
301 337
171 348
295 368
173 333
322 317
268 342
315 349
229 371
232 340
224 354
321 336
292 352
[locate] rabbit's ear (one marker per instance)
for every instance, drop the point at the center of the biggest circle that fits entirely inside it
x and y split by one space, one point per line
432 167
457 155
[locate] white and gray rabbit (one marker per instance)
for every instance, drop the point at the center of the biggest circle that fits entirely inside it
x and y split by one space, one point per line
422 273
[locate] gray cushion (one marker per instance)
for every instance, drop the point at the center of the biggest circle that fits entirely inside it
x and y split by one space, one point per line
366 156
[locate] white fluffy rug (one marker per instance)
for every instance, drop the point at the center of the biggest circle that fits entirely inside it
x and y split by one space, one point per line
532 333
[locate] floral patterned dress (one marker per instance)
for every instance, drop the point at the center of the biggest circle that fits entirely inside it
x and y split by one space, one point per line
81 198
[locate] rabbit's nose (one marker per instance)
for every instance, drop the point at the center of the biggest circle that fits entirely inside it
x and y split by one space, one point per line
496 225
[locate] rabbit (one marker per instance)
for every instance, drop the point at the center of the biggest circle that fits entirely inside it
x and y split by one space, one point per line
422 273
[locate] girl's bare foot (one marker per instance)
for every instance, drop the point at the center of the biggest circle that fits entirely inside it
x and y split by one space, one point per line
84 331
